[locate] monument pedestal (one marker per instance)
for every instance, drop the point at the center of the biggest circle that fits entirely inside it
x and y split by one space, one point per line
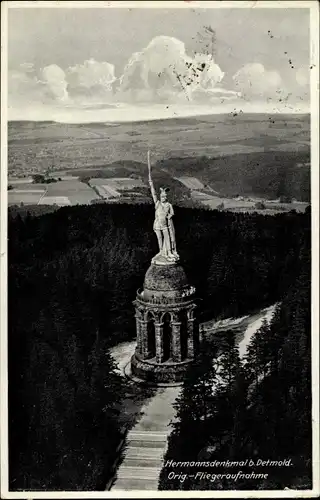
161 260
159 373
166 327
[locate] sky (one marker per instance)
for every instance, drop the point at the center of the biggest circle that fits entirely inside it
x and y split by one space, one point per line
65 61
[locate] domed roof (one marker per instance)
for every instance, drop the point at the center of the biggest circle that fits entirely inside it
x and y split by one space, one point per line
165 278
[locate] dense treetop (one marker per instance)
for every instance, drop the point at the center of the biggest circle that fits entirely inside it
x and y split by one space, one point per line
73 275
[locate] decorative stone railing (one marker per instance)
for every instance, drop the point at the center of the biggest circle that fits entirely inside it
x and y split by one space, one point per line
162 299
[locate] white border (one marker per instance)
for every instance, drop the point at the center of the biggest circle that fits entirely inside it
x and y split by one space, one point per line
314 56
3 258
163 4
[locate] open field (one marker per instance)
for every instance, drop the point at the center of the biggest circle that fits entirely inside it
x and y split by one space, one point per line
70 192
27 198
75 191
107 192
211 159
191 182
117 183
55 200
33 146
236 205
123 183
27 187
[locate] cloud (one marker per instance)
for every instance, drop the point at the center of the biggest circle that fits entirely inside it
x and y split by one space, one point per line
55 79
80 84
164 71
161 73
208 72
23 85
253 80
91 79
26 84
288 92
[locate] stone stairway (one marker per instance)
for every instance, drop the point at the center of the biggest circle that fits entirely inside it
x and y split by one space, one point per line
142 464
146 444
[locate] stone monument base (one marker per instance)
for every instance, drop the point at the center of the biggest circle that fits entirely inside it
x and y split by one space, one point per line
167 373
161 260
167 331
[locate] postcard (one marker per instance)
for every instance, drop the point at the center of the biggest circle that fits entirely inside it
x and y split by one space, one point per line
159 249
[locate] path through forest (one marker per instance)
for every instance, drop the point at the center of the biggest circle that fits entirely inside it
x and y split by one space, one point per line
146 442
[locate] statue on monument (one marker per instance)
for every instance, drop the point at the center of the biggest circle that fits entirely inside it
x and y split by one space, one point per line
163 224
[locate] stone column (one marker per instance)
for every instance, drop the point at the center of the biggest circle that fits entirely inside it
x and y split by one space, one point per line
143 342
159 341
176 341
190 352
138 330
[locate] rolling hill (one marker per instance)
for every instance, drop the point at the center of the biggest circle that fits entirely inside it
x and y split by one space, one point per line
246 154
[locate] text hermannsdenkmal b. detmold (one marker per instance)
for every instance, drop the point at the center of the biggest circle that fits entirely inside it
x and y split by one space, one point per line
234 463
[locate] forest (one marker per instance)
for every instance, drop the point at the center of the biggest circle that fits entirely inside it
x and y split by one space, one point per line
73 275
258 410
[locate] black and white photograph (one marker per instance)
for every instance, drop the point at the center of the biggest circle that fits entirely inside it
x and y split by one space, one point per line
159 249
